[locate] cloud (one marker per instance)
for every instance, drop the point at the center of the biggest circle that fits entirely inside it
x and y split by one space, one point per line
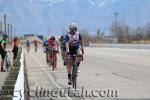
101 3
30 0
52 2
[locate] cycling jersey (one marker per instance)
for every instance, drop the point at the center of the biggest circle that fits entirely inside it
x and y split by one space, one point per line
62 43
73 39
45 43
28 43
52 44
2 42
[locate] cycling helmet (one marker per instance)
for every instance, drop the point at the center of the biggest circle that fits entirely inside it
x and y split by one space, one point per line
73 26
52 37
62 37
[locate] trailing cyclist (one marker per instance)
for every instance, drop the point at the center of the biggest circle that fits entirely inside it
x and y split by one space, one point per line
3 52
45 48
53 50
35 45
74 46
28 46
63 48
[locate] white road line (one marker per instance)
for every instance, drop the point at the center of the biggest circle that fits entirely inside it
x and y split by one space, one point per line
58 86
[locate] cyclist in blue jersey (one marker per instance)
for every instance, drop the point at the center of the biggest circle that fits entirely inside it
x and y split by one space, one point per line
45 48
63 48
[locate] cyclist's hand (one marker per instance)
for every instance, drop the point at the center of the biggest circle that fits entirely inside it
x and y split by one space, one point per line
82 51
68 53
8 51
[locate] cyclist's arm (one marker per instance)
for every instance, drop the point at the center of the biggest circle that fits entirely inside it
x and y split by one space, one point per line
81 41
57 44
67 43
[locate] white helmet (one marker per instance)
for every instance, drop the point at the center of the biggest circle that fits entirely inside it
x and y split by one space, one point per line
73 26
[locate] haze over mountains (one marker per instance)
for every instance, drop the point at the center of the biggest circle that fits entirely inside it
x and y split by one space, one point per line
52 16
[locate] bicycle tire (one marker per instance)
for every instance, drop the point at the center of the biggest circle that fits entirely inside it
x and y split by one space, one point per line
74 74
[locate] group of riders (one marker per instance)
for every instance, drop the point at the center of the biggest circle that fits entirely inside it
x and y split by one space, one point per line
71 44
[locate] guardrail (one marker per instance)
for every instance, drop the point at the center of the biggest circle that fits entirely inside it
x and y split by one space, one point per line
14 82
19 86
128 46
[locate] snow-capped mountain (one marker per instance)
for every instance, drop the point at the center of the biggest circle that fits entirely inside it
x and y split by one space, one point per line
54 15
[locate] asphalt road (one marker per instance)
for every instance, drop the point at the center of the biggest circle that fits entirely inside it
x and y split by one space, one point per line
106 74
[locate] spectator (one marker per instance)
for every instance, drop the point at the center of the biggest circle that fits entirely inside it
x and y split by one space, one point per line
15 47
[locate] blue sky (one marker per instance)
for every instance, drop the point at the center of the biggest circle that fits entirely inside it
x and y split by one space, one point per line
52 16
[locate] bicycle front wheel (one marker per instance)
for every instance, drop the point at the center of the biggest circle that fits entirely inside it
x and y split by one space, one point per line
74 75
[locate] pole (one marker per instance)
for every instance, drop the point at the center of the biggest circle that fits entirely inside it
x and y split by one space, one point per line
5 31
8 32
14 31
116 15
11 32
1 26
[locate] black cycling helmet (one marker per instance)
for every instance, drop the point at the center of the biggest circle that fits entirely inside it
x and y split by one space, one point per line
62 37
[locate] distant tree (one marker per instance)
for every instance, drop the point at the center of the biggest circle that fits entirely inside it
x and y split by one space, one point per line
121 32
86 36
147 31
98 32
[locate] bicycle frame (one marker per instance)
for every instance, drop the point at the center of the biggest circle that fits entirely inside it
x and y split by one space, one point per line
74 70
52 59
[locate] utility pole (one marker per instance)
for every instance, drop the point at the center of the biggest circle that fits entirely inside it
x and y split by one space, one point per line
1 26
11 32
116 16
5 24
8 32
14 32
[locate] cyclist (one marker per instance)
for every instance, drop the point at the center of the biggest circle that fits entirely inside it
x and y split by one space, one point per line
3 44
28 45
45 47
74 46
53 50
35 45
63 48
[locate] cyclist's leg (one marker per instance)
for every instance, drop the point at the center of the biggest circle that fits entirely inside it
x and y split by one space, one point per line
72 52
36 47
46 52
54 59
79 55
61 52
15 52
64 55
47 57
69 68
3 55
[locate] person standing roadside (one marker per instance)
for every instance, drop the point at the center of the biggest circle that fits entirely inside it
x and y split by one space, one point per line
15 47
3 44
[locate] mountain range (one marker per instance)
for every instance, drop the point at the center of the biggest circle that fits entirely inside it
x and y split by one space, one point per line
53 16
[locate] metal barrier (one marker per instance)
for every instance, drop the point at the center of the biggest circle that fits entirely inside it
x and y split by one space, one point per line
128 46
19 86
